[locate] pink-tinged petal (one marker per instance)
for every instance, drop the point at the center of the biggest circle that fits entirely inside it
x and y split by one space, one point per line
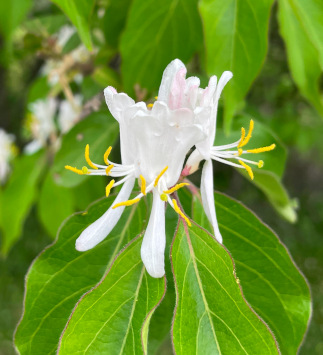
207 194
153 245
167 79
100 229
192 163
177 92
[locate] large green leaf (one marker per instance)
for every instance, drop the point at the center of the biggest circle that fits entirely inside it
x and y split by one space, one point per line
271 282
54 205
212 316
116 309
157 32
80 13
61 275
267 179
301 26
18 197
236 39
99 130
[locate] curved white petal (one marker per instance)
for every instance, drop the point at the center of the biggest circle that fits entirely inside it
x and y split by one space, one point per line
207 194
117 102
153 245
225 77
167 79
100 229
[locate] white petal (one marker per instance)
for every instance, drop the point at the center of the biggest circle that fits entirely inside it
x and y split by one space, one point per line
167 79
225 77
100 229
153 245
117 103
32 147
207 194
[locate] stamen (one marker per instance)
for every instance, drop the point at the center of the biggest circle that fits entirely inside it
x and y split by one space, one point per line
87 157
109 187
85 170
263 149
176 187
106 155
143 185
260 164
163 197
108 169
156 97
150 105
243 134
247 167
179 211
160 175
126 203
75 170
247 138
240 151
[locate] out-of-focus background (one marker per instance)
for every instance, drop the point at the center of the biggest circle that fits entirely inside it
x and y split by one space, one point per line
56 59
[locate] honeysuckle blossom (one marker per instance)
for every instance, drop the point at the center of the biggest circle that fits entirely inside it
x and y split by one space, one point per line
230 154
154 142
41 123
7 151
69 113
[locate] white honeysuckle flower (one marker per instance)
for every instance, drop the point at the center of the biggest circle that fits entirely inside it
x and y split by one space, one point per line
154 142
7 151
223 154
64 35
41 123
68 114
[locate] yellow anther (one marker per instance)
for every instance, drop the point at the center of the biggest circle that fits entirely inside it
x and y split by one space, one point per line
247 167
164 197
126 203
176 187
260 164
243 134
85 170
240 151
247 138
106 155
160 175
150 105
156 97
143 184
179 211
87 157
263 149
108 169
75 170
109 187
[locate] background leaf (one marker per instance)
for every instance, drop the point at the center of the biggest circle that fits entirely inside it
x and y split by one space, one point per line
212 315
171 30
18 197
301 26
99 130
116 309
271 282
235 39
80 13
61 275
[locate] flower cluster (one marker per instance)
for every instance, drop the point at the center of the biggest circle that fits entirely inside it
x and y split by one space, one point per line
155 140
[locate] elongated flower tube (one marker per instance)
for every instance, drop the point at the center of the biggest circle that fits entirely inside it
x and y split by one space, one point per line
154 142
230 154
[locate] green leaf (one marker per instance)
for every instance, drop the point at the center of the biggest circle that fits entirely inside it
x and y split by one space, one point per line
271 282
236 39
54 206
99 130
61 275
268 178
301 26
114 20
212 316
156 33
80 13
18 197
116 309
